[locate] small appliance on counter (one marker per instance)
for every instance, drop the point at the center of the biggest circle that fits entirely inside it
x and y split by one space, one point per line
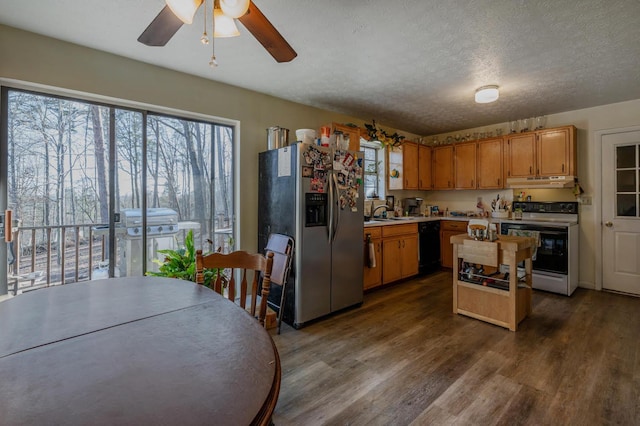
412 206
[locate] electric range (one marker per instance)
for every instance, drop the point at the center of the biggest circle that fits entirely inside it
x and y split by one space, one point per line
555 226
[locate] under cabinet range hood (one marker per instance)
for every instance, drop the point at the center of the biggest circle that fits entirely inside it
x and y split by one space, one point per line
542 182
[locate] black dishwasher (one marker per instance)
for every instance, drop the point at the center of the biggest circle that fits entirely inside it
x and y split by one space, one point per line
429 246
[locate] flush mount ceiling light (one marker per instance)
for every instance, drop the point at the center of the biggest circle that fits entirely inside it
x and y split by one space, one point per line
487 94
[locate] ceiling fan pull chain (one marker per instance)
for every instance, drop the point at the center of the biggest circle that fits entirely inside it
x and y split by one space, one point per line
205 38
213 62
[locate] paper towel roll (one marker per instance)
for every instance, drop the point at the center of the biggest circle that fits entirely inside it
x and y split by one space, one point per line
372 255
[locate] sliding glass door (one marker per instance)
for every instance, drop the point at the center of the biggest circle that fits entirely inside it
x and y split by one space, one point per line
98 190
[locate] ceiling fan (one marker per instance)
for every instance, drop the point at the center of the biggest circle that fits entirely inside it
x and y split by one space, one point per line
179 12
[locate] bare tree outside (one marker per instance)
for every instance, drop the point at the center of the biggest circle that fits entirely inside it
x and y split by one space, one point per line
59 183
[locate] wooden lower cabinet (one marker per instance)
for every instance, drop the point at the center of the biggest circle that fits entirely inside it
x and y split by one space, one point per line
449 228
409 256
396 248
372 277
399 251
391 266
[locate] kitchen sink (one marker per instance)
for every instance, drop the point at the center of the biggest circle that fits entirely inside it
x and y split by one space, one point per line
379 219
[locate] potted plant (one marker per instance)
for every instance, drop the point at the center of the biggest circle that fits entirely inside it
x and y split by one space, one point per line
181 264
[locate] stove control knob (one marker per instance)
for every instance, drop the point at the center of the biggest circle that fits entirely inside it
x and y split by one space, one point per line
136 230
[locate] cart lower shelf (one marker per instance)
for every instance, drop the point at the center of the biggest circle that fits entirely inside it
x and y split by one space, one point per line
491 304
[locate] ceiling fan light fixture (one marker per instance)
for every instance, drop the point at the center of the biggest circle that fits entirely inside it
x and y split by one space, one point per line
185 10
487 94
225 26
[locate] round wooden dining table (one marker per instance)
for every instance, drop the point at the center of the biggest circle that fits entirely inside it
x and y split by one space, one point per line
135 350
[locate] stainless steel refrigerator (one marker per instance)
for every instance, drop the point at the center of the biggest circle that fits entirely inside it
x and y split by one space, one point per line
315 195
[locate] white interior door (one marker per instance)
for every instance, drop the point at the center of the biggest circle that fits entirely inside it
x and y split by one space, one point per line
621 212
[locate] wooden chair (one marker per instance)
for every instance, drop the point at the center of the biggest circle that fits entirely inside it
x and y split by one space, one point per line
244 263
281 246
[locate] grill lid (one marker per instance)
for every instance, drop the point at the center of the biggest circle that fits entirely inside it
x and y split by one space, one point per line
130 218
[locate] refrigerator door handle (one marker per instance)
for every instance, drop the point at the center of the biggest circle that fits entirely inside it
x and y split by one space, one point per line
330 207
336 205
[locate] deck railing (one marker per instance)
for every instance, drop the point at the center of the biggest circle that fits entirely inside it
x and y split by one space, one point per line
42 256
56 254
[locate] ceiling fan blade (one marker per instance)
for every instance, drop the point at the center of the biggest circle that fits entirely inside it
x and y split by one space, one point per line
267 35
161 29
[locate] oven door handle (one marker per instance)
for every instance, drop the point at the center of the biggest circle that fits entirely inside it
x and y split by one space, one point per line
545 231
552 233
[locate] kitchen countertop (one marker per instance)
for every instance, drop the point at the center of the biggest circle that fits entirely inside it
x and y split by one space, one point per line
416 219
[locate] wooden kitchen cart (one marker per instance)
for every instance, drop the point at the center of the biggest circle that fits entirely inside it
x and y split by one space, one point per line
489 296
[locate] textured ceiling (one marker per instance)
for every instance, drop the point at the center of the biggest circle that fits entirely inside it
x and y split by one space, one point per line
412 64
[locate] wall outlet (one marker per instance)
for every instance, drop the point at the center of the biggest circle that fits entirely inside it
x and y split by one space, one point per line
586 200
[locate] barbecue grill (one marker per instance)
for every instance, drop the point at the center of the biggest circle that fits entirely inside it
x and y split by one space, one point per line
162 225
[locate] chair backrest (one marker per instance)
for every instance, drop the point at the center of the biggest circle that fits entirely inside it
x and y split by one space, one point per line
282 248
246 264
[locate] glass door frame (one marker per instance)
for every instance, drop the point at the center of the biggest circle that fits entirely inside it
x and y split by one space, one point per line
113 104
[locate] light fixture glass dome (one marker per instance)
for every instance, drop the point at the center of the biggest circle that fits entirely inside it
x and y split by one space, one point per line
234 8
225 26
184 9
487 94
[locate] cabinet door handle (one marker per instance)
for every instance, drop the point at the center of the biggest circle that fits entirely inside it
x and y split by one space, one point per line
498 181
563 168
530 169
398 243
472 183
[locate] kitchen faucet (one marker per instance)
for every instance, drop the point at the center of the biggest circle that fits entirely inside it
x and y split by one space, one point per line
374 210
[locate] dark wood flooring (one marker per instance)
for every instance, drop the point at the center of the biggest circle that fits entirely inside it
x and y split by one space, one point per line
405 358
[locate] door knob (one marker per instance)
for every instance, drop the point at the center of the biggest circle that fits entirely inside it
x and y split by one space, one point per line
608 224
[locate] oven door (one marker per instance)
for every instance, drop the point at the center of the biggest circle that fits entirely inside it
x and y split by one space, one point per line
552 255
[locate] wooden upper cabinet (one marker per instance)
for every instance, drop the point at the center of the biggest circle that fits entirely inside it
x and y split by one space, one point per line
490 160
352 132
465 165
424 167
395 168
410 165
556 151
442 160
521 155
547 152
